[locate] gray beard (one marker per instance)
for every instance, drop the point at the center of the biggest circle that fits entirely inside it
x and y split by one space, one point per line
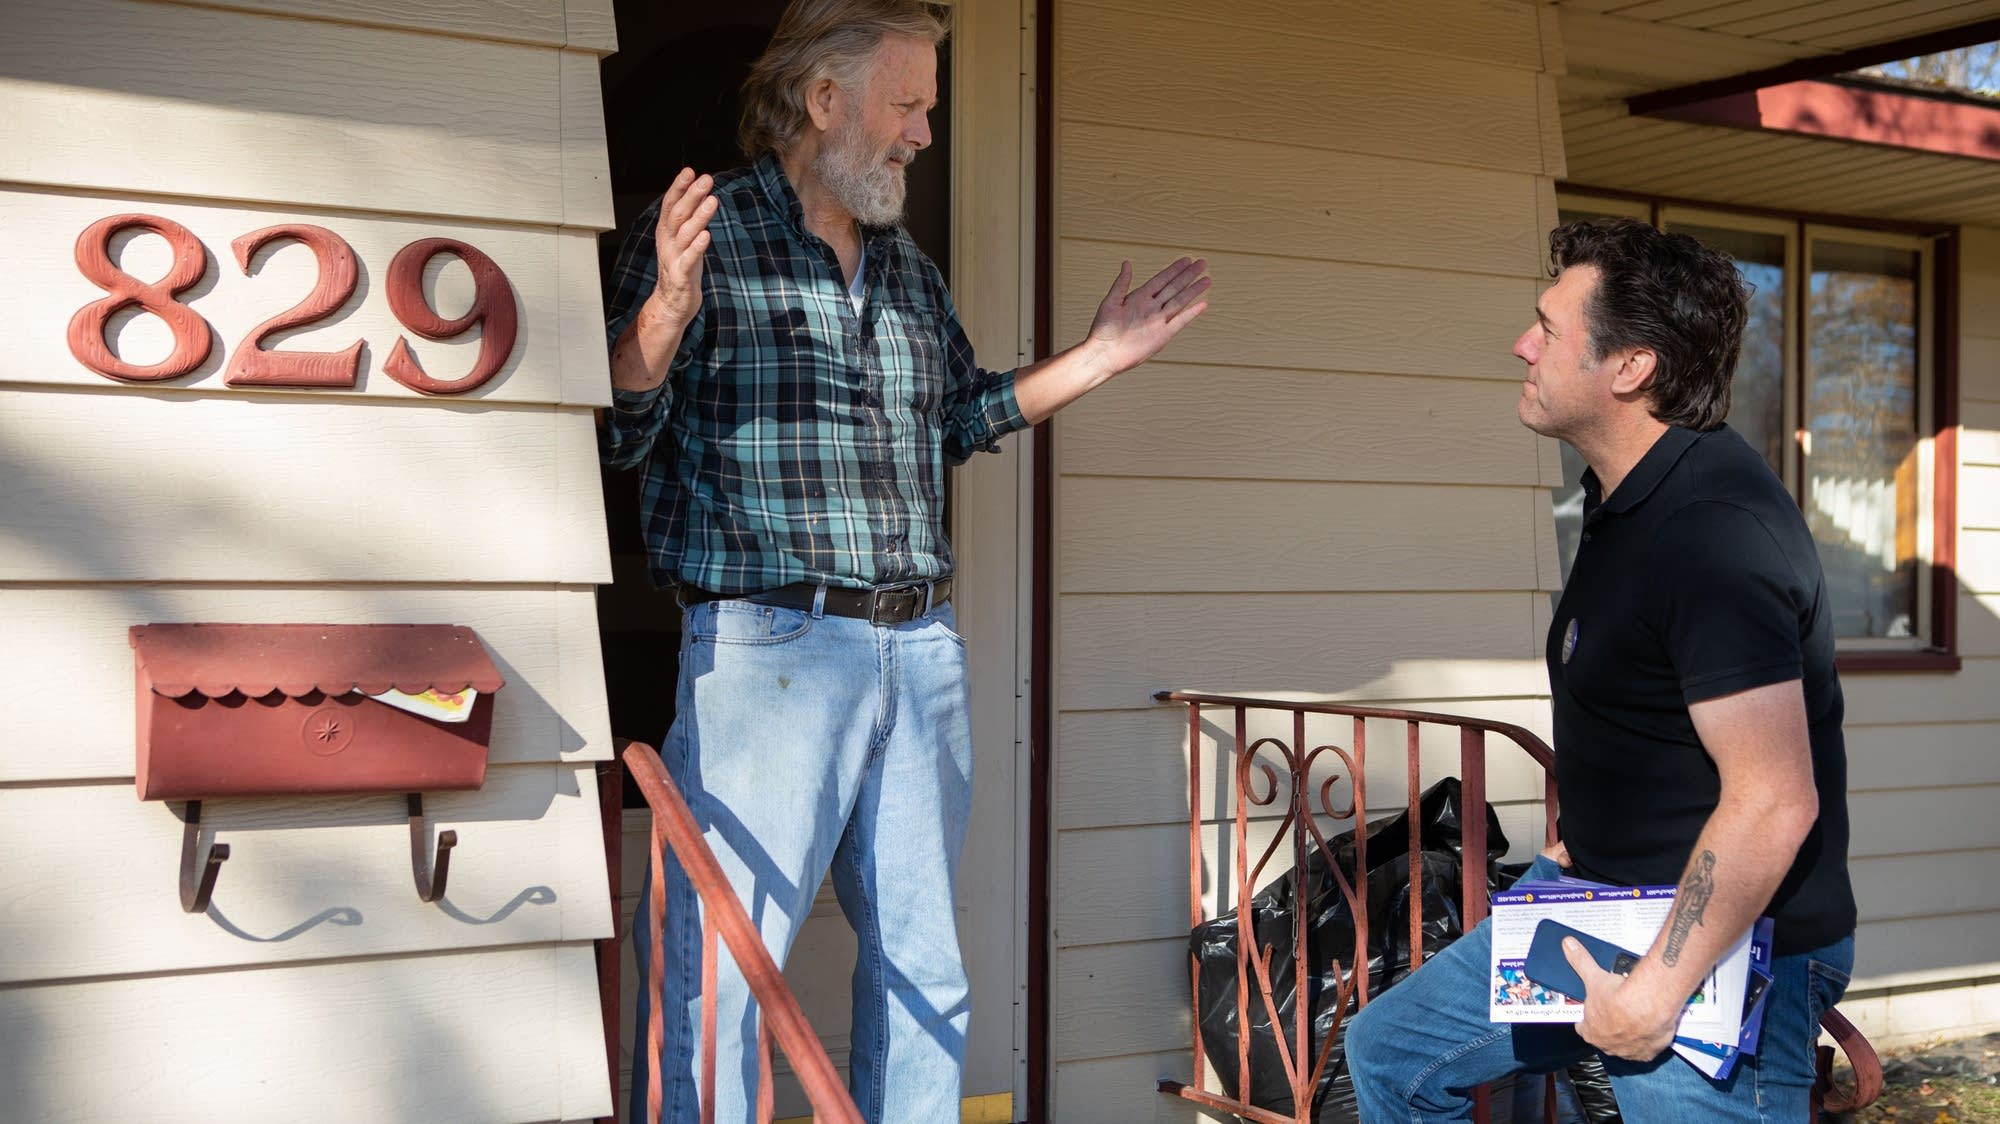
869 189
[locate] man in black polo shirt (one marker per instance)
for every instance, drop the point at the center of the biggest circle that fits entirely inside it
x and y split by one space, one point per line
1697 711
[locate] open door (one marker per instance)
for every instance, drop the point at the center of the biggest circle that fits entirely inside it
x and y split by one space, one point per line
671 100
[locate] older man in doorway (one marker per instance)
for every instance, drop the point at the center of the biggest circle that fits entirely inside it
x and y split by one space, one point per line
790 372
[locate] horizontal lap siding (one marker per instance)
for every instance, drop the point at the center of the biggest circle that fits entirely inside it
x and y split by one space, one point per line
307 878
125 96
118 485
1118 650
573 23
1229 423
466 1038
317 980
1320 489
1921 747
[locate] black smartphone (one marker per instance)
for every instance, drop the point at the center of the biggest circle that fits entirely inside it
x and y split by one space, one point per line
1546 964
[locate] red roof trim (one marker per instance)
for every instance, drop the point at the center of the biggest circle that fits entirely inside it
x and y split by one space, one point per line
1818 66
1853 113
215 660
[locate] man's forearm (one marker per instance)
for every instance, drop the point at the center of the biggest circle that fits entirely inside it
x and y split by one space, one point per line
644 352
1743 853
1041 389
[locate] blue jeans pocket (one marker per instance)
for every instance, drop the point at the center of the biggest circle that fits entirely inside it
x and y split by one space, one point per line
1826 983
746 622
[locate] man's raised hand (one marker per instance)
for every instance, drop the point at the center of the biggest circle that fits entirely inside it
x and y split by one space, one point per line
679 241
1134 324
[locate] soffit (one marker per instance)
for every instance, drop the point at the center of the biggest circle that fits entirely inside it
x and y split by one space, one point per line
1614 49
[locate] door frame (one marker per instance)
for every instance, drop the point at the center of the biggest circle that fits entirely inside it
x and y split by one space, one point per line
994 285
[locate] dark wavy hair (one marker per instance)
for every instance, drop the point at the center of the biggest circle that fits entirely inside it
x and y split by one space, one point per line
1670 294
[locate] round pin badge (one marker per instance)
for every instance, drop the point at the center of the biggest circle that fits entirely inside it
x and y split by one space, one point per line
1569 640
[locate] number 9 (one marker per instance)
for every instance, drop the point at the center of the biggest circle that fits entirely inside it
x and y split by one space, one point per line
492 308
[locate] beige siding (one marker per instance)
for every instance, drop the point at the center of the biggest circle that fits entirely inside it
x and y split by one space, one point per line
411 1041
308 489
1921 751
317 984
1320 489
307 879
132 96
572 23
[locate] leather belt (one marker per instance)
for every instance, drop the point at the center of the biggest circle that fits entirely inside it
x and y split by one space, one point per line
883 605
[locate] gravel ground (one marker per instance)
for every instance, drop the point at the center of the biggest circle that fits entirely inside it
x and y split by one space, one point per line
1950 1083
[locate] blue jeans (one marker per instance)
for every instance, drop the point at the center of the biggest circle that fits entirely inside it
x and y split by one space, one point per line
1417 1052
802 743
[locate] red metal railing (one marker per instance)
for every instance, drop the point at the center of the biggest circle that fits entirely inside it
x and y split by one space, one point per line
1305 806
723 916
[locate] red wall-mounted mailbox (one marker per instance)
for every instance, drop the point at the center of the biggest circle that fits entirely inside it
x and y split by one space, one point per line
290 709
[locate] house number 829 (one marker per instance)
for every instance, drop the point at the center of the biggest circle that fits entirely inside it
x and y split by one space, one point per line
252 364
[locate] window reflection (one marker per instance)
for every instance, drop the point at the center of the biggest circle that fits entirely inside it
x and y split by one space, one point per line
1757 395
1860 415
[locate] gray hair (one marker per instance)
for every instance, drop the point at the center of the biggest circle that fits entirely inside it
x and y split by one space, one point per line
820 39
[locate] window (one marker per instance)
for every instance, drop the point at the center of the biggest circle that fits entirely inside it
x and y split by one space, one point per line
1836 386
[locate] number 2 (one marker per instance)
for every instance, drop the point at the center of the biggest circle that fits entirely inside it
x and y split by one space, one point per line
338 275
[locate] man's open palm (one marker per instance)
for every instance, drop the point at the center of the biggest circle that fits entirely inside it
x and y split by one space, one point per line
1134 324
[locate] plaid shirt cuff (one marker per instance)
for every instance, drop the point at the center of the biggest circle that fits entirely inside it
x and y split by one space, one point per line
637 401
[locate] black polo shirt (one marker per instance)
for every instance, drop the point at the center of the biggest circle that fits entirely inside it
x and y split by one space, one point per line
1697 578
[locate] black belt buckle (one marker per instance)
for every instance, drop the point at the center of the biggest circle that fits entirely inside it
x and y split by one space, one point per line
898 604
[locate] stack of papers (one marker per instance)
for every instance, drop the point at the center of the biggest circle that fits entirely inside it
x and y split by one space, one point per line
1723 1016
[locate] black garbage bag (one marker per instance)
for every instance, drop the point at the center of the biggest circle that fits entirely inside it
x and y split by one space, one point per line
1591 1086
1330 938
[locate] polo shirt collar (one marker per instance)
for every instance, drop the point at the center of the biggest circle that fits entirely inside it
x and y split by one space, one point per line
1644 477
777 188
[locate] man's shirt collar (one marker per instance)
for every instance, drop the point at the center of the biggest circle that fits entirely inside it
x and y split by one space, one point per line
1644 477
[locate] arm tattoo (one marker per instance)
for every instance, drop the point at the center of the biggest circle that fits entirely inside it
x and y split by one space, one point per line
1690 904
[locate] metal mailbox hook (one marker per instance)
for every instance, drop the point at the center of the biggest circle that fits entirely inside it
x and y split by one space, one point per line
198 874
430 883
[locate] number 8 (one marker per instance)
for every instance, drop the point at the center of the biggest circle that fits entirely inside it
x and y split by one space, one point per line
192 335
492 307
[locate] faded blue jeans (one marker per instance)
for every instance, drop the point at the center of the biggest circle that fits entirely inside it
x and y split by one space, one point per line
1416 1052
804 743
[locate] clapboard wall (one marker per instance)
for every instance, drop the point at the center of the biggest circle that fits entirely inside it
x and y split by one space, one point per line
318 986
1320 488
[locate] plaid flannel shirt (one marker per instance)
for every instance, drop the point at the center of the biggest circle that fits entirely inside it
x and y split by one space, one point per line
794 439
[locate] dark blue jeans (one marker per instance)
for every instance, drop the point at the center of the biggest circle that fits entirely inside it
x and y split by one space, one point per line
1417 1052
